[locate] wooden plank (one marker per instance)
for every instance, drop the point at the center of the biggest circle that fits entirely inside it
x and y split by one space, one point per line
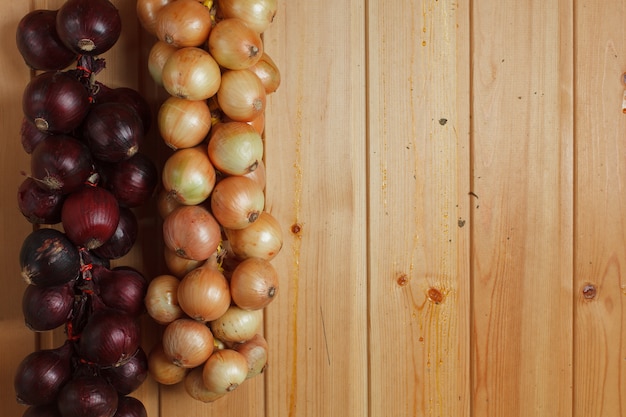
418 98
316 155
600 201
522 211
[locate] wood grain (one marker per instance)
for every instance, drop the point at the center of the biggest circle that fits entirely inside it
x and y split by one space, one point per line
600 251
522 211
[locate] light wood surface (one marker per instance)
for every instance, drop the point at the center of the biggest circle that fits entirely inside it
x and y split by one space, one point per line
454 172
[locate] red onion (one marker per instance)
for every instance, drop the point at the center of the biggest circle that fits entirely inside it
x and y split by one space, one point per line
55 102
124 237
39 44
128 377
129 96
113 131
88 396
46 308
132 181
61 163
123 289
41 374
48 410
110 338
31 136
130 407
48 258
39 206
89 27
90 216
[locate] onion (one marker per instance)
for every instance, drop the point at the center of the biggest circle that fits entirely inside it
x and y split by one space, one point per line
184 123
254 283
110 338
48 410
162 369
183 23
237 325
129 376
188 343
178 266
39 44
147 11
262 239
241 95
258 14
128 96
268 73
237 201
48 258
123 238
132 181
188 175
258 175
234 45
194 386
224 371
89 27
204 294
191 73
88 396
46 308
235 148
90 216
122 288
255 351
192 232
130 407
61 164
114 131
55 102
41 374
161 299
37 205
158 56
30 135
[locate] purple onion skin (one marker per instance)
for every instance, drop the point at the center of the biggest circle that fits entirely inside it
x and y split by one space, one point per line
48 410
129 96
124 237
41 375
89 27
129 376
47 308
48 258
88 396
37 205
130 407
30 135
123 289
55 102
133 181
39 44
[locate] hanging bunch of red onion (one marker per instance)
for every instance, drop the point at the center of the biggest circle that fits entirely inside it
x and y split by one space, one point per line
87 175
219 238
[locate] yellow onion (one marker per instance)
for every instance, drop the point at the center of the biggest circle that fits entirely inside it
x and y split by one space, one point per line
237 201
187 343
191 73
235 148
178 266
194 386
158 56
234 45
258 14
166 202
224 371
183 123
161 299
162 369
147 11
254 283
189 175
241 95
258 175
262 239
268 73
192 232
255 351
204 294
183 23
237 325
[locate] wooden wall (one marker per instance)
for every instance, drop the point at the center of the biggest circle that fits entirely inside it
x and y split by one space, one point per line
457 173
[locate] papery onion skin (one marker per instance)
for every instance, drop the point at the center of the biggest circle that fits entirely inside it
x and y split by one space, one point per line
224 371
194 386
188 343
258 14
255 351
47 308
184 123
189 175
147 11
262 239
88 396
237 325
128 96
192 232
130 407
241 95
235 148
162 369
178 266
268 72
191 73
254 283
133 181
183 23
30 135
204 294
158 56
237 201
234 45
129 376
37 205
123 238
161 299
122 288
